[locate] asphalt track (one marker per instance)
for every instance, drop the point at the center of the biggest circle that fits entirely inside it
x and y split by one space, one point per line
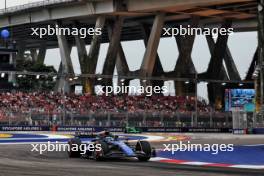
19 160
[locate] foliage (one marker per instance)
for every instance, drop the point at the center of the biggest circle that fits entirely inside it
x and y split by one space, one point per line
30 82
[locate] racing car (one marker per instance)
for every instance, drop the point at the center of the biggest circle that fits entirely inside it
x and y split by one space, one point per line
133 130
110 147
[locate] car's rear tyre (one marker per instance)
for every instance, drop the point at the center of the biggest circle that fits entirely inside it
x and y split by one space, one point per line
100 155
144 146
74 152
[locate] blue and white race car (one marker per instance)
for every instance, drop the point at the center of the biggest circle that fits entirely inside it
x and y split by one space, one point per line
106 145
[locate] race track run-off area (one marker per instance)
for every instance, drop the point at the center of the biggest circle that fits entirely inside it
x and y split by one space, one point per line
242 157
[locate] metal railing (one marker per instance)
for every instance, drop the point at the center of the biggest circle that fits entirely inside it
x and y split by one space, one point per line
177 119
33 5
119 119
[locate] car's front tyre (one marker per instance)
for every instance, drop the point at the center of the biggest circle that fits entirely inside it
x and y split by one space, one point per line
144 146
100 155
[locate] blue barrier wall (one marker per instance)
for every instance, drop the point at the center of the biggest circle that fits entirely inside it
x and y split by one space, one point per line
115 129
24 128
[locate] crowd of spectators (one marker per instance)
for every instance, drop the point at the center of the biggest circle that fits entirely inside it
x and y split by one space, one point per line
54 102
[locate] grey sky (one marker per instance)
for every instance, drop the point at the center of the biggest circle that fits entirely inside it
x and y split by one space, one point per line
242 46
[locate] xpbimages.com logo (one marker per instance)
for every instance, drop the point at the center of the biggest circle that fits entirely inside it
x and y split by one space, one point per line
61 147
213 148
50 31
148 90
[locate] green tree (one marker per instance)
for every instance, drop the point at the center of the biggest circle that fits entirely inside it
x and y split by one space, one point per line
30 82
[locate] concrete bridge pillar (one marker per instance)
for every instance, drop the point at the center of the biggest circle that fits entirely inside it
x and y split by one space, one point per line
83 59
149 60
42 53
38 57
19 56
111 56
216 69
88 61
158 69
216 90
260 79
121 63
122 66
12 76
21 47
184 66
229 61
60 66
231 66
66 64
252 66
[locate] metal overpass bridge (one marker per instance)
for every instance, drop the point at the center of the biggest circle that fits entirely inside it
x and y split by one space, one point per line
135 12
126 20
